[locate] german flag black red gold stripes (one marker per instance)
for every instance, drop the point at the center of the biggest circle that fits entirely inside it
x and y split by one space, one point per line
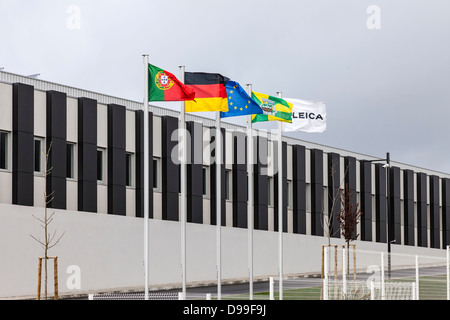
210 92
203 78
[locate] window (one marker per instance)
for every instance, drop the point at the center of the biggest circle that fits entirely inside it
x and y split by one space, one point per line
3 150
70 159
38 154
101 165
129 171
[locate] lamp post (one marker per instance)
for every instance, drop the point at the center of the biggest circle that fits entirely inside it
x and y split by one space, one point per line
390 230
390 224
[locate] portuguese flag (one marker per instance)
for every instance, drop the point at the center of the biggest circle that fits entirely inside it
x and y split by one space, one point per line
274 108
164 86
210 92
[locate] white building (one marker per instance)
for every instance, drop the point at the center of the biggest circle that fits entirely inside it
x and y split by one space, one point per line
96 160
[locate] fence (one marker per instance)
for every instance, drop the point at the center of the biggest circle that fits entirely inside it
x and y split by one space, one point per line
136 296
346 274
384 276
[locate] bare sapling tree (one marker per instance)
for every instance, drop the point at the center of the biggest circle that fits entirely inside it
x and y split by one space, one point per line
334 202
329 222
51 239
349 217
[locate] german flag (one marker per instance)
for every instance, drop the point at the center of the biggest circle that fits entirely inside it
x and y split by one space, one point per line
210 92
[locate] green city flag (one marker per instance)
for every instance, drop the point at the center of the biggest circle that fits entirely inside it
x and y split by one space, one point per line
274 109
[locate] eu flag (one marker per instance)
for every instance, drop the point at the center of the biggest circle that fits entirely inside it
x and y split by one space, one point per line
239 102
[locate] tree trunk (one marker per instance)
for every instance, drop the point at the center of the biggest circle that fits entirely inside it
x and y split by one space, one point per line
348 257
45 253
45 278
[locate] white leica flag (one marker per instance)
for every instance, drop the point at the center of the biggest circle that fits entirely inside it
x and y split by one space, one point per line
308 116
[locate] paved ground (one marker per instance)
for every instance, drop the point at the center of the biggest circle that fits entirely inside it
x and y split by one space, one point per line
301 282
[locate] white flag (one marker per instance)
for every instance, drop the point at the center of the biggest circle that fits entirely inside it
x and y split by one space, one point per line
308 116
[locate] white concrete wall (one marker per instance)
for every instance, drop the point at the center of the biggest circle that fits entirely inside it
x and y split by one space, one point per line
40 114
130 202
108 250
72 195
102 125
130 128
39 190
6 125
102 198
72 136
72 120
6 107
157 197
5 187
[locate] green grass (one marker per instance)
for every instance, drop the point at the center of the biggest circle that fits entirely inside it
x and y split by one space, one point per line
430 288
312 293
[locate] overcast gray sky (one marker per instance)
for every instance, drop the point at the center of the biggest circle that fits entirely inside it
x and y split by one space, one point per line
386 89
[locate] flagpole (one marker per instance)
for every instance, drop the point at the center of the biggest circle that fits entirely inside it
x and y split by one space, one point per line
250 196
218 206
146 180
183 207
280 205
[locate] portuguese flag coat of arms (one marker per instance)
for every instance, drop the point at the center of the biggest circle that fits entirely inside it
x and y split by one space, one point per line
164 86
